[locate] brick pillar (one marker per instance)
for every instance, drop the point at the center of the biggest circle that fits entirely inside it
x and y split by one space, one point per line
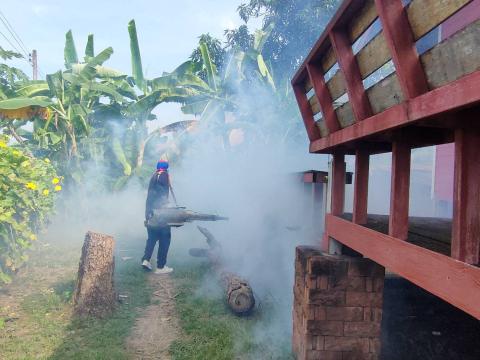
337 308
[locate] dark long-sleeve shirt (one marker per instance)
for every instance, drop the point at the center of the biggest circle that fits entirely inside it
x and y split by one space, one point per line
158 190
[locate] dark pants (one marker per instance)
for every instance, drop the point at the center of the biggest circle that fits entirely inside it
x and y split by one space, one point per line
163 235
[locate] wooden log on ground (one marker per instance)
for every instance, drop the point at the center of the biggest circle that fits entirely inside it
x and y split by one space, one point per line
238 292
94 291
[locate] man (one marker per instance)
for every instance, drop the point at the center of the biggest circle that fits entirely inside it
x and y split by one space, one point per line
158 191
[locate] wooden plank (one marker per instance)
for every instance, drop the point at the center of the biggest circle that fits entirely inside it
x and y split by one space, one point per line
360 192
399 37
466 16
348 64
328 60
466 202
373 55
424 15
458 94
324 97
385 94
313 101
400 190
338 184
345 115
455 57
451 280
307 114
322 128
337 85
362 20
308 85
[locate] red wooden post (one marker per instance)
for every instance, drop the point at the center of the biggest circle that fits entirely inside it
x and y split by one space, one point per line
348 64
307 114
338 184
324 97
360 194
400 191
399 37
466 202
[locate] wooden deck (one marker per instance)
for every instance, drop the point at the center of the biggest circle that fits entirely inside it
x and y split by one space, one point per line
430 233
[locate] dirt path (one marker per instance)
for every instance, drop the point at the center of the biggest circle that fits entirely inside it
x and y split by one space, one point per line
157 326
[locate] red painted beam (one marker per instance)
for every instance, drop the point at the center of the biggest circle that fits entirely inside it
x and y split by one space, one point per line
348 64
400 190
312 131
466 201
453 96
347 10
338 184
399 37
453 281
324 98
360 194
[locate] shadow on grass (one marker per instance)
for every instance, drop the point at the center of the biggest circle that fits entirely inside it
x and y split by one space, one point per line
105 338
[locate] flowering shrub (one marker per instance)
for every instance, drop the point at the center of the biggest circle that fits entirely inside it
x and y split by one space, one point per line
27 191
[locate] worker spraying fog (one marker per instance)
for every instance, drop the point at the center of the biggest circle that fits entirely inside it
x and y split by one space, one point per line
159 218
157 198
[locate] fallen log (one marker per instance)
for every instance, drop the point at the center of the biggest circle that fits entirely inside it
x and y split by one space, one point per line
238 293
94 291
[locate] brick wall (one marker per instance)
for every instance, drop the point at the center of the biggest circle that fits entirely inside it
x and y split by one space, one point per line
337 308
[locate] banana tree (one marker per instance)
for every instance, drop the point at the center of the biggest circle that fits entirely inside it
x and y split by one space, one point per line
177 86
76 94
243 69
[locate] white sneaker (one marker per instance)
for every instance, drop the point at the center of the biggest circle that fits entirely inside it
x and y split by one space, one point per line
146 265
164 270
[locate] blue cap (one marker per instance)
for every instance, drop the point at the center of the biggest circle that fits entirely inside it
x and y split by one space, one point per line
162 165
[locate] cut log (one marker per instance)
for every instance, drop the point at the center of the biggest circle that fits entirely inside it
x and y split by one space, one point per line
238 293
94 291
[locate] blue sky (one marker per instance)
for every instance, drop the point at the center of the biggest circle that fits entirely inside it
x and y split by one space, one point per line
167 30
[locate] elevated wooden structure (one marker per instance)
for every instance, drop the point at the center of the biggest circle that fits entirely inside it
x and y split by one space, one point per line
389 76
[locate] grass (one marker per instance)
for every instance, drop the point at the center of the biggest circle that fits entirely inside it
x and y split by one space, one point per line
38 323
44 327
211 330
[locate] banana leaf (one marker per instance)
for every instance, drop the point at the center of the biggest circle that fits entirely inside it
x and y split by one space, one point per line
21 102
137 70
70 52
89 51
36 88
105 89
209 65
120 156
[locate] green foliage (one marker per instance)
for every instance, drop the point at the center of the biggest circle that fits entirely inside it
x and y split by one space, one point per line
292 20
27 192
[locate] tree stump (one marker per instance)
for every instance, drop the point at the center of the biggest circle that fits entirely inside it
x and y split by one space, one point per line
94 291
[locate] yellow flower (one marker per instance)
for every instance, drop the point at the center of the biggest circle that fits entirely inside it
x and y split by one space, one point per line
55 181
31 186
47 160
58 188
45 192
33 237
16 153
2 144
